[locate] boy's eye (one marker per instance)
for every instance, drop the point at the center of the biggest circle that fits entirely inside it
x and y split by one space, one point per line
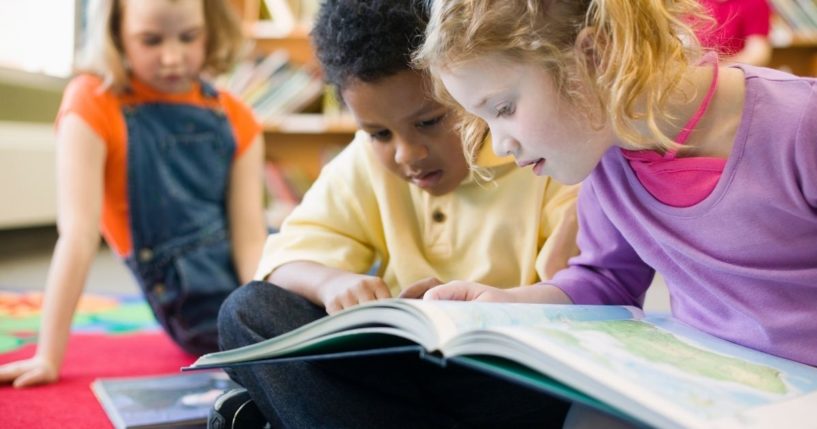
431 122
505 109
381 136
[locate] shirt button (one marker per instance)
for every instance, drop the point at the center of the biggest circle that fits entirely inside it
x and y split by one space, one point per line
438 216
145 255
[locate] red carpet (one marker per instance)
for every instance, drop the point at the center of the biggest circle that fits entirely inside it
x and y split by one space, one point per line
70 402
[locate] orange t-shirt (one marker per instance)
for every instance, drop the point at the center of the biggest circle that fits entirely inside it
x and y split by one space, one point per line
102 111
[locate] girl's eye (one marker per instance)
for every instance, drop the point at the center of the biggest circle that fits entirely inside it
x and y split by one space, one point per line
151 40
431 122
381 136
506 109
190 36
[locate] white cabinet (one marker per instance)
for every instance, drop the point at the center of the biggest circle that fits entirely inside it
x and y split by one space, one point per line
27 174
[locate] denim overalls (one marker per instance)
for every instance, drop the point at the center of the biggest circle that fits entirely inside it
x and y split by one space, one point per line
179 160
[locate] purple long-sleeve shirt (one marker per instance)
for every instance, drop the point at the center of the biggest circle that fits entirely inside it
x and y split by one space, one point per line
742 263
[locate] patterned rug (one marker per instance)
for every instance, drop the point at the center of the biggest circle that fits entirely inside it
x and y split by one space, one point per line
112 336
20 316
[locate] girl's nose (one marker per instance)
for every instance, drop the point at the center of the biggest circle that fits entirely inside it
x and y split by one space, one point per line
171 54
503 144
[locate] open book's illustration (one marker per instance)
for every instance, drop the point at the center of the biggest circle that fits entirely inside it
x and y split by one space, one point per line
161 401
650 369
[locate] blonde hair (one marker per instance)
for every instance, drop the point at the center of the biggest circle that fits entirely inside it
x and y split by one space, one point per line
103 55
636 54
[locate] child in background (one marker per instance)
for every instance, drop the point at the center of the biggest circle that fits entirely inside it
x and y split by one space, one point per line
741 31
400 194
706 174
172 165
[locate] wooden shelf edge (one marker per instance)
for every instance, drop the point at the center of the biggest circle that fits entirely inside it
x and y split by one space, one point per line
311 123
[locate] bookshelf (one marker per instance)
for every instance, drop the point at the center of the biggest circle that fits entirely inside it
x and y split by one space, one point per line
300 141
799 58
794 36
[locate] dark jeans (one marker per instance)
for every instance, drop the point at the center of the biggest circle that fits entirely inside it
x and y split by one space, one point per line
391 391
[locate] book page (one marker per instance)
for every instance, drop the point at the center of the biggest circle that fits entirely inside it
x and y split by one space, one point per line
428 323
456 317
657 370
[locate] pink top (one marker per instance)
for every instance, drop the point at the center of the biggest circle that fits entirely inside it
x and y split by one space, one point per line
679 182
735 20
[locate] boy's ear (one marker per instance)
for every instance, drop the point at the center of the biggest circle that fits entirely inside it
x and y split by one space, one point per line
587 49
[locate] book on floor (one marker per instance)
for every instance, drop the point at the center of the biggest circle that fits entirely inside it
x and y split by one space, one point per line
162 401
648 369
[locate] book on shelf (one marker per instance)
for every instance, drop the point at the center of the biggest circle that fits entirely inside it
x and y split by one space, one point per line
282 198
161 401
649 369
799 15
809 10
273 86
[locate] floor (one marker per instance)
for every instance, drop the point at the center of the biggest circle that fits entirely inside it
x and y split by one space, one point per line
25 255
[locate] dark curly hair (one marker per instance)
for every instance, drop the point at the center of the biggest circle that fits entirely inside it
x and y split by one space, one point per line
367 40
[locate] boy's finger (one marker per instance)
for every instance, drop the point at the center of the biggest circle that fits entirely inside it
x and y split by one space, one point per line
381 290
418 289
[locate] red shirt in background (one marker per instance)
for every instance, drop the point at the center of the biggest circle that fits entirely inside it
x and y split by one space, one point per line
735 21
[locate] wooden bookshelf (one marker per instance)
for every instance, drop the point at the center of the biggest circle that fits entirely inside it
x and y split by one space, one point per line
299 141
305 141
799 56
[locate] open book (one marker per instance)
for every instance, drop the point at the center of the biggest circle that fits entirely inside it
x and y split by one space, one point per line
651 370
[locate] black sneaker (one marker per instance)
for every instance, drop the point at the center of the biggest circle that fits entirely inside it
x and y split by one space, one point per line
236 410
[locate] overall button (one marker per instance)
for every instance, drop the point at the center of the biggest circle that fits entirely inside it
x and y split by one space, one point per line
438 216
159 289
145 255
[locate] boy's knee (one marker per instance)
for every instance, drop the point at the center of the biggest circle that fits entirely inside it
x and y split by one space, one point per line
259 310
237 315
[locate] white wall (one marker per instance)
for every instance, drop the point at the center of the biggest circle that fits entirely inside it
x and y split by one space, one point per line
27 174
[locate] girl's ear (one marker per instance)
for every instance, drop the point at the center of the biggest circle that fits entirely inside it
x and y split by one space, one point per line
587 50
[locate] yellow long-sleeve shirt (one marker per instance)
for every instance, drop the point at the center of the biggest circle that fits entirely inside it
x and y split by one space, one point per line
516 230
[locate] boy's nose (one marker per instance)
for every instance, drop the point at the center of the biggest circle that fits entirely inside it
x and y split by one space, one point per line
407 153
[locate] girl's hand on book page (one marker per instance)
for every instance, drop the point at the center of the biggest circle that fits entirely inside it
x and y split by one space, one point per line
468 291
417 289
352 289
28 372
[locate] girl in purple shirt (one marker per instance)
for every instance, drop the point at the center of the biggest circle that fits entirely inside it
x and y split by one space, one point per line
706 174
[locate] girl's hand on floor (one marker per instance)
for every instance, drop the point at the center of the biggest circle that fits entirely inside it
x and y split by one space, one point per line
29 372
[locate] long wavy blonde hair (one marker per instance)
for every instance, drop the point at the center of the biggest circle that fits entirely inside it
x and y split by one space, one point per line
102 53
634 55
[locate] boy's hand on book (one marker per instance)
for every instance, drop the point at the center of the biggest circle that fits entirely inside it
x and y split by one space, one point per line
419 288
28 372
353 289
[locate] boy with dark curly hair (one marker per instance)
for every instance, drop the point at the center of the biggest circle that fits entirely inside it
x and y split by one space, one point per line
400 194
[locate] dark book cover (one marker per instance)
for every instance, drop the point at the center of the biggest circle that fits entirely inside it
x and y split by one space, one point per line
165 401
